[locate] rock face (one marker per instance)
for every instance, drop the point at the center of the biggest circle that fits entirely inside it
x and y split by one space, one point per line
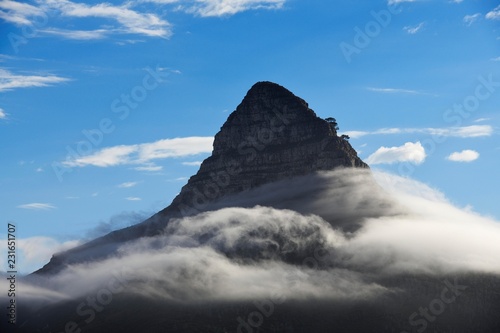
271 136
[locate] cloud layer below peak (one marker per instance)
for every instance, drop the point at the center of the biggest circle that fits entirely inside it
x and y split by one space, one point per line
240 253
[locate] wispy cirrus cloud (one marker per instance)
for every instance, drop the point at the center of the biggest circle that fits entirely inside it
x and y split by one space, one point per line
463 156
18 13
470 19
397 91
479 120
208 8
77 34
129 20
128 184
106 157
144 153
472 131
211 8
413 29
149 168
395 2
37 206
120 19
10 81
409 152
133 199
195 163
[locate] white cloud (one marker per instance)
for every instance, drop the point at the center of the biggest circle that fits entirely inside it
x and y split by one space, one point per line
9 81
133 199
104 158
414 29
150 168
409 152
396 91
161 2
495 59
357 134
494 14
37 206
395 2
207 8
464 156
479 120
177 147
128 184
18 13
77 34
466 131
472 131
144 153
469 19
122 19
195 163
3 114
130 21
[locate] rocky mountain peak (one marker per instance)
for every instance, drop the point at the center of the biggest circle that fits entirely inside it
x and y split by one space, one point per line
272 135
266 110
264 94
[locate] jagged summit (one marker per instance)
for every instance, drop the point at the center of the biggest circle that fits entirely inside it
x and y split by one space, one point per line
263 93
267 108
271 136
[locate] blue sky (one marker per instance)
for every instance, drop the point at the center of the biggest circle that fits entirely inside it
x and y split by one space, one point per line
107 108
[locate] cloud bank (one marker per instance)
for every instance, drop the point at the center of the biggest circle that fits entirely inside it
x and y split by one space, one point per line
240 253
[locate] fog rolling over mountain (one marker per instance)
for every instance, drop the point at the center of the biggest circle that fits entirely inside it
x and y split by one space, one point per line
272 135
283 229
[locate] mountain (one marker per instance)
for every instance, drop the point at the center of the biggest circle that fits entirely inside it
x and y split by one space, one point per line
282 229
272 135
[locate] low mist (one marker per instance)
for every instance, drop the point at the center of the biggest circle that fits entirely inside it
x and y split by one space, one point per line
341 232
